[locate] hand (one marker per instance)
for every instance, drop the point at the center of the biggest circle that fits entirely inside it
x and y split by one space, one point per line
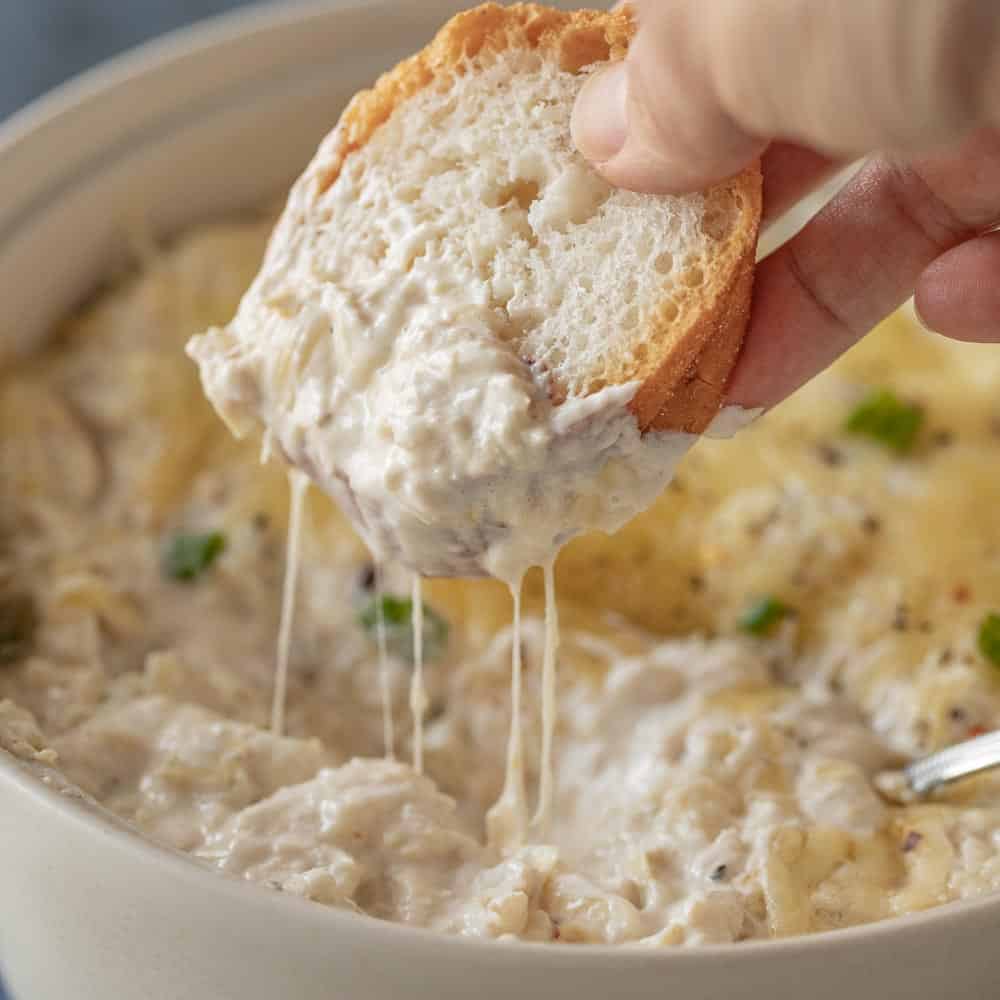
709 85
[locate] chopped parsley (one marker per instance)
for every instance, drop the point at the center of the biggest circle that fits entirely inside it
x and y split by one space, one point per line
186 557
397 614
18 622
989 638
763 616
884 417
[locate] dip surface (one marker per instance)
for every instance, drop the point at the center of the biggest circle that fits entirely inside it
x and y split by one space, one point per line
713 784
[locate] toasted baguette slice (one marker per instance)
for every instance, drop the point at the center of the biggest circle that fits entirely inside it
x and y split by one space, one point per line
462 332
595 286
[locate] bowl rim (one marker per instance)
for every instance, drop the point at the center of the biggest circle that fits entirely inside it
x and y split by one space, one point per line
95 820
92 818
157 53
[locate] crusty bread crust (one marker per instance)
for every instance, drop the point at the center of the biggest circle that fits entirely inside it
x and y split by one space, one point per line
687 390
697 334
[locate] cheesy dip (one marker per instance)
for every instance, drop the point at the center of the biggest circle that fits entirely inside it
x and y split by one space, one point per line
802 609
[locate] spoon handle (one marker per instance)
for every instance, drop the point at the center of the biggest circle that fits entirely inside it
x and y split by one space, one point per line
958 761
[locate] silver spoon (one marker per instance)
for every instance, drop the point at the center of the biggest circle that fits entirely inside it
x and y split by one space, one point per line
953 763
924 776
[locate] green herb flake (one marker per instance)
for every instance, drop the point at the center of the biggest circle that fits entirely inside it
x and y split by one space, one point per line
989 638
763 616
186 557
397 614
18 623
885 418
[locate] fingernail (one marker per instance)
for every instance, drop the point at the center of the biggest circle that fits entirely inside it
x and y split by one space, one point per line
600 122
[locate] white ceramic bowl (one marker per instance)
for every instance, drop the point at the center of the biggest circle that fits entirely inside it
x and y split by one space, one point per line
202 124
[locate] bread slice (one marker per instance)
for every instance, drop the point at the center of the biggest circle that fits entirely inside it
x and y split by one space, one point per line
592 286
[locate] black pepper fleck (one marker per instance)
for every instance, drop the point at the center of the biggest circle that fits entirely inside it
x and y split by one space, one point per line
957 714
18 624
366 577
911 841
829 455
776 668
901 618
871 525
720 873
435 712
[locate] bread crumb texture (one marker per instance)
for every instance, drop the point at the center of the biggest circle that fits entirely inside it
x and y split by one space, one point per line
463 153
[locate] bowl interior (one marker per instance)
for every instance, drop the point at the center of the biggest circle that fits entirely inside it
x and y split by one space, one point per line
206 124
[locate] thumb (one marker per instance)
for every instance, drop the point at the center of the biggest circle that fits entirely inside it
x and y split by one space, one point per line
652 123
706 80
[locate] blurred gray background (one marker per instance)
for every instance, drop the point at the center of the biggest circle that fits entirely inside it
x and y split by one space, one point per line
43 42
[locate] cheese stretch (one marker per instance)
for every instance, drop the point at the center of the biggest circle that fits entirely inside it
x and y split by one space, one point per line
713 786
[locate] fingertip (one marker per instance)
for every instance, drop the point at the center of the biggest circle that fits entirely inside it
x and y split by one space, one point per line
920 309
599 124
958 296
600 129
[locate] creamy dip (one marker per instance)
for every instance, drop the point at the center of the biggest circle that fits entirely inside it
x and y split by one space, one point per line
406 346
712 785
380 349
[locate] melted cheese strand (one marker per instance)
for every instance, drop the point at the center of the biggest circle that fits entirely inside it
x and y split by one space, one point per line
267 446
507 821
385 689
298 484
543 817
418 693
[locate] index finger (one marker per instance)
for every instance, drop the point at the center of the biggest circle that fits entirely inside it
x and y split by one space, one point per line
859 260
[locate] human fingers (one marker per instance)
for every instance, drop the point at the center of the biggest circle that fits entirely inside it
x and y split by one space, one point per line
706 85
959 294
860 259
790 173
